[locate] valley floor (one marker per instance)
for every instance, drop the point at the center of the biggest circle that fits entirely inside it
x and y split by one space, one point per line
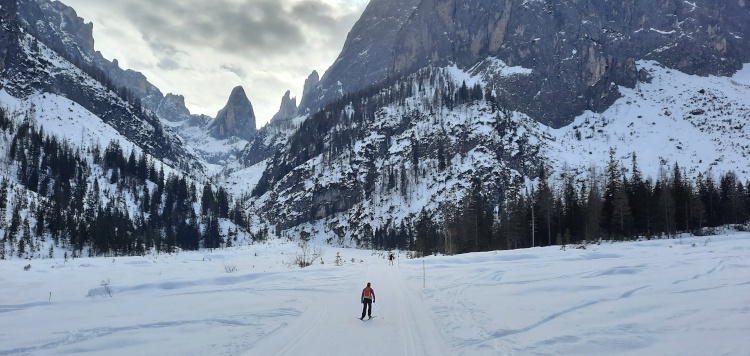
685 296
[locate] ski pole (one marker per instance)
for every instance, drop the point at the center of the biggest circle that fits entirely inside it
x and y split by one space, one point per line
379 313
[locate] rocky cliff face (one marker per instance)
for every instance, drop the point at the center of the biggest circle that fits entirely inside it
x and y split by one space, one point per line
59 26
287 109
29 66
237 118
172 108
577 52
367 54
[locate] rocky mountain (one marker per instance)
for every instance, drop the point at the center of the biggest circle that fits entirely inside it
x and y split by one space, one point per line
60 27
578 53
30 66
235 119
172 108
431 102
287 109
367 55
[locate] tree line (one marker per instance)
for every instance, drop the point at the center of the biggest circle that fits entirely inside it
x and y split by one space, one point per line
98 201
615 204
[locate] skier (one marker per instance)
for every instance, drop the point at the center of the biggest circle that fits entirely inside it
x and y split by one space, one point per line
368 297
390 258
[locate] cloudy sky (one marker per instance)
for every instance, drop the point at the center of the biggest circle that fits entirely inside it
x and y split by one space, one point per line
202 49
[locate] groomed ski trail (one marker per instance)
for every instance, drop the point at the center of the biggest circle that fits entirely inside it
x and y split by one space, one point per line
403 325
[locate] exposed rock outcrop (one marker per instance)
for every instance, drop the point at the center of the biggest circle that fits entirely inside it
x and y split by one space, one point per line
287 109
237 118
59 26
578 52
173 108
367 54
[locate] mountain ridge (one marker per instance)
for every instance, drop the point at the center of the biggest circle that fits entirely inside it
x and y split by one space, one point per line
583 45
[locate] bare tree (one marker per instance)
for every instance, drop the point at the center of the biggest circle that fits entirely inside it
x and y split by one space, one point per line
306 255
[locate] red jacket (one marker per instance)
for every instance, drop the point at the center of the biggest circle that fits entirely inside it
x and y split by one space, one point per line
368 293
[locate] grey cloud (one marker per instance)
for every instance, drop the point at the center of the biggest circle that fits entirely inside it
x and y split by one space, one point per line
160 48
253 27
316 14
235 69
263 42
168 65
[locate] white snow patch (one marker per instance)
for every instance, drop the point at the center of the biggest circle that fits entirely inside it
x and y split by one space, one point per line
660 297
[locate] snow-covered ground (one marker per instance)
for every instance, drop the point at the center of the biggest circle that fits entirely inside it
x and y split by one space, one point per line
685 296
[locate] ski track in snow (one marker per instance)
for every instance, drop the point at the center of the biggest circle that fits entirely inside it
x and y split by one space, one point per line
402 325
686 297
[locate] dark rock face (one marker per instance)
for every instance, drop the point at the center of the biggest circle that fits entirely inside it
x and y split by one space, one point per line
25 71
8 33
59 26
235 119
172 108
287 109
367 54
311 83
578 51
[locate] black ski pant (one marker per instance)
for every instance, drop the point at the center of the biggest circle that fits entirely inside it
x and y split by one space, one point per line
366 307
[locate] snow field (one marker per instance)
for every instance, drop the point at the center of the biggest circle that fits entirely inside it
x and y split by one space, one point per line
683 296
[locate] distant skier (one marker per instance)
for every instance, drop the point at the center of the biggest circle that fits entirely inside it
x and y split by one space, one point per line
368 297
390 258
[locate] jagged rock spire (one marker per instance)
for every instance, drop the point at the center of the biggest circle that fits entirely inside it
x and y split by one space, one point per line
237 118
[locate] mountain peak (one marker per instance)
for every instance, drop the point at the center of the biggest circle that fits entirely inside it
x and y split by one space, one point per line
287 109
576 57
237 118
173 108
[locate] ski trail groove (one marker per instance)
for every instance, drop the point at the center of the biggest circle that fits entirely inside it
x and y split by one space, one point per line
405 315
307 330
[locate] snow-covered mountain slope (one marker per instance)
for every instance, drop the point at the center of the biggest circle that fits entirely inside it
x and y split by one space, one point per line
87 170
59 26
684 296
699 122
72 123
32 68
217 152
576 50
378 158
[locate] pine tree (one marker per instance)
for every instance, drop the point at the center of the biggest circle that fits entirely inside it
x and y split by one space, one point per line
680 196
3 202
666 207
729 198
21 248
621 215
593 209
421 229
2 249
26 236
15 220
613 182
212 237
571 205
638 198
545 205
207 200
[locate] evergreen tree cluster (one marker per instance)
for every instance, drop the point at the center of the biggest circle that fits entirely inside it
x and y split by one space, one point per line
101 202
614 205
335 129
122 109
